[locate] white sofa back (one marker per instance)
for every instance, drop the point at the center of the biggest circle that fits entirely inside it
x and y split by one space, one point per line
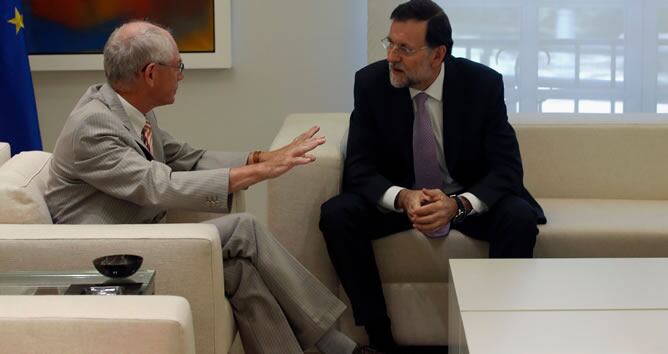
5 152
602 156
22 185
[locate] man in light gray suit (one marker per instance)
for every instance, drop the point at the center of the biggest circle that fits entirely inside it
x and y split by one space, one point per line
113 164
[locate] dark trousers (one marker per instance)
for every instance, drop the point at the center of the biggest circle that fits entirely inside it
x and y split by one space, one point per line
349 225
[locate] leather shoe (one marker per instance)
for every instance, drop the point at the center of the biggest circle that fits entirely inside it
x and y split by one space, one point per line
366 349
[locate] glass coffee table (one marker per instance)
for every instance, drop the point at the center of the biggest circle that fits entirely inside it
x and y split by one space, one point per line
74 283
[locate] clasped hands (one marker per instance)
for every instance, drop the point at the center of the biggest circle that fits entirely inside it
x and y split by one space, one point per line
427 209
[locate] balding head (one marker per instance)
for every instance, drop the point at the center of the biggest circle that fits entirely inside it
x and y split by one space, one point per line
131 47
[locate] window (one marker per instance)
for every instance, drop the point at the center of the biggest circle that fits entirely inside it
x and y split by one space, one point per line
588 56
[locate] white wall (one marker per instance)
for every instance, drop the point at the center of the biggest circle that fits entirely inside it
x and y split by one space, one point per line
287 56
379 26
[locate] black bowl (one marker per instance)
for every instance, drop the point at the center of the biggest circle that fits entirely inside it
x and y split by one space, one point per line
118 265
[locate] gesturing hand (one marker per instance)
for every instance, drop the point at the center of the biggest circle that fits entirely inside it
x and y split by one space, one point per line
296 153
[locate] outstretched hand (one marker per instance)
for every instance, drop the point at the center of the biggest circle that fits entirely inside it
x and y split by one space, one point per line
294 154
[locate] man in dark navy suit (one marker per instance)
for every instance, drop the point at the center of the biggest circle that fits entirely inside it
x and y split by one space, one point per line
463 171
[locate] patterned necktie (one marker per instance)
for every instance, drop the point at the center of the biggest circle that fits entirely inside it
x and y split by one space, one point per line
147 136
425 159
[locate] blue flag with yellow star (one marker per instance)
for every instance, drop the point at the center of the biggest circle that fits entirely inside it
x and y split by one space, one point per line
18 113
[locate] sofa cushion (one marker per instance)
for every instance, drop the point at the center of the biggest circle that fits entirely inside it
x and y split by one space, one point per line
603 228
5 153
22 185
575 228
410 257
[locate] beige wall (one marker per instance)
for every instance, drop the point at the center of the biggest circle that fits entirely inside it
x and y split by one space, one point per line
378 26
287 56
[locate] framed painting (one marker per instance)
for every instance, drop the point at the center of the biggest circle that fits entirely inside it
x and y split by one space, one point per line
70 34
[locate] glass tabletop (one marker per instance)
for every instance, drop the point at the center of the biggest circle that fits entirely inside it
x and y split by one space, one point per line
74 282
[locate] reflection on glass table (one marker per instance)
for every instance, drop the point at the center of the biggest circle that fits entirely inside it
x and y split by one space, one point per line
74 283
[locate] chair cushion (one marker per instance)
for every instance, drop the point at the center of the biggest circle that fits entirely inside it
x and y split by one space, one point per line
22 186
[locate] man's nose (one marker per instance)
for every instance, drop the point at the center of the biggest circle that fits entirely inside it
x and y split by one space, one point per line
392 56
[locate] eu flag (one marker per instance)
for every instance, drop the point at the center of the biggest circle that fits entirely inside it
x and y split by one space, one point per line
18 113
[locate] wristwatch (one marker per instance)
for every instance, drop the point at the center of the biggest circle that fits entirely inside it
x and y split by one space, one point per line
461 210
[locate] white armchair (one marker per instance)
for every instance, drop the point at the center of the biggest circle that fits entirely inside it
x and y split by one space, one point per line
187 257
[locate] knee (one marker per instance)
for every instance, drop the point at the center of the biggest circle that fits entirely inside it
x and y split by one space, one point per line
520 217
246 220
339 208
339 212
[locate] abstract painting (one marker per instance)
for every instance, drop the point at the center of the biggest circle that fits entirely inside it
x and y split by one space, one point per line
70 34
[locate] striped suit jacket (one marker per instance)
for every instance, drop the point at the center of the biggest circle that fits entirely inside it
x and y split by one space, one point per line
101 171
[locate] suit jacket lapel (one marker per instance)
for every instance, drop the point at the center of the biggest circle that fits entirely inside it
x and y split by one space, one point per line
452 128
403 108
110 98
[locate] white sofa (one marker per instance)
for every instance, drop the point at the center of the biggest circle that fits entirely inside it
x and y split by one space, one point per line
187 257
601 179
96 324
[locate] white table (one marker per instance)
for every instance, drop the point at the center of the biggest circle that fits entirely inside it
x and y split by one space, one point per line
558 306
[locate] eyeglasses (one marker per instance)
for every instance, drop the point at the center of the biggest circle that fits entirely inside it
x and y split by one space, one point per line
402 50
180 66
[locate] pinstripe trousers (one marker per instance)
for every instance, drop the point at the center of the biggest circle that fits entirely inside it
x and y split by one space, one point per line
278 305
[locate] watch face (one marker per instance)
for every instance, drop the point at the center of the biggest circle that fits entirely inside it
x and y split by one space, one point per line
461 214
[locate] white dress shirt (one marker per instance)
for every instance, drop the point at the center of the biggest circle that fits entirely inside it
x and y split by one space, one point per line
435 108
137 118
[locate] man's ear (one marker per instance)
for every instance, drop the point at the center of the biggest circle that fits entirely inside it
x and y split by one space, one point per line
439 55
148 74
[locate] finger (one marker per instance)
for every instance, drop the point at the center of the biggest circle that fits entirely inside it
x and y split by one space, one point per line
433 194
428 227
308 145
309 157
303 160
309 133
429 219
430 208
410 209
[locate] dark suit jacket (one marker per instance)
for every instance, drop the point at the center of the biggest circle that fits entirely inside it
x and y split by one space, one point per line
481 149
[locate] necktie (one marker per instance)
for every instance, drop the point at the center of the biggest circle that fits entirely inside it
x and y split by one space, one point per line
147 136
425 159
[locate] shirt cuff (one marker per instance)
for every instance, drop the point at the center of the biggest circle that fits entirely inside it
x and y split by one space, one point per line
478 206
387 200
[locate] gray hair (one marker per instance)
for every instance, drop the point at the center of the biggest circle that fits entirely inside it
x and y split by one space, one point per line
126 54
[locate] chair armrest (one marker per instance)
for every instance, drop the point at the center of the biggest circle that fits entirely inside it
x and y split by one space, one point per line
187 259
96 324
294 198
